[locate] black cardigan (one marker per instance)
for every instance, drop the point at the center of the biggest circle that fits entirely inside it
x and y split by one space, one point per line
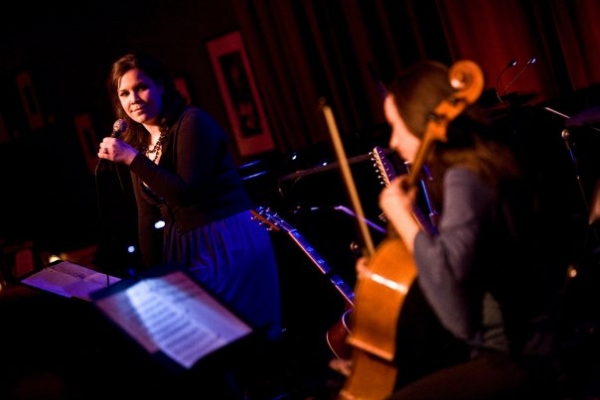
195 183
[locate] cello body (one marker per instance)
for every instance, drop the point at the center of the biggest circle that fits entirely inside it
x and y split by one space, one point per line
374 321
381 291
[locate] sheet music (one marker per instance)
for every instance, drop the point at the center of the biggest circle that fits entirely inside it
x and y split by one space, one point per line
69 280
173 314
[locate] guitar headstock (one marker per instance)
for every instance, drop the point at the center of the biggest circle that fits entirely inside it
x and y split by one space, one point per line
271 219
385 170
265 217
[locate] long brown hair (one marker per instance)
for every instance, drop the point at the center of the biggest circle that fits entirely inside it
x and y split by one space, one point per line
471 138
172 101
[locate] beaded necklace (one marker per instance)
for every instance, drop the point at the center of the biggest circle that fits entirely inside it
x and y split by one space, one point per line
156 149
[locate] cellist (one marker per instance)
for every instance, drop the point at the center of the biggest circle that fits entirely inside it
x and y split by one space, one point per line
481 273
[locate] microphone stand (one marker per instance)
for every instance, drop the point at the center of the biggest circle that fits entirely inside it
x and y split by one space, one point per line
351 213
100 167
432 212
104 166
566 136
532 60
511 64
355 248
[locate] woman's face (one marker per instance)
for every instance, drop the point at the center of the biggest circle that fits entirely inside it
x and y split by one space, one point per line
402 141
140 97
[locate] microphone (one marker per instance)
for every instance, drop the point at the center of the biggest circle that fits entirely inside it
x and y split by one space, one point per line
510 64
118 128
532 60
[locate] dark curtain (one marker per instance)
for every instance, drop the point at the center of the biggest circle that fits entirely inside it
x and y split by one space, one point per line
305 52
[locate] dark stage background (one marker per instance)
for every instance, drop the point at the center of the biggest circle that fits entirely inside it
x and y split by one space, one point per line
55 59
54 109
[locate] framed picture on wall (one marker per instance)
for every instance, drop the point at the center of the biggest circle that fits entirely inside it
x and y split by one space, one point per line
30 101
240 94
182 87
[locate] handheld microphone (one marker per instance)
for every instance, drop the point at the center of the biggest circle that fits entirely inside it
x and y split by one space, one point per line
118 128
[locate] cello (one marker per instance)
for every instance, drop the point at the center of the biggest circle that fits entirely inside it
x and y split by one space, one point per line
380 291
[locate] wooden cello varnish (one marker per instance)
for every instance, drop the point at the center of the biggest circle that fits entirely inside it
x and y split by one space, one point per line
380 291
372 332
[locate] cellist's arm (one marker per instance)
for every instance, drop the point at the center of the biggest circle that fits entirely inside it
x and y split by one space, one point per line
397 202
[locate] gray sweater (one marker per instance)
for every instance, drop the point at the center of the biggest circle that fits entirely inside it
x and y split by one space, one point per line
481 274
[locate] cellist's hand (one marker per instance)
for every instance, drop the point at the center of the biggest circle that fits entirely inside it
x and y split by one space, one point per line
362 267
397 196
397 201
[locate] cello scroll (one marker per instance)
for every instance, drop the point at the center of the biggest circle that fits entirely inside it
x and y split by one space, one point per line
467 78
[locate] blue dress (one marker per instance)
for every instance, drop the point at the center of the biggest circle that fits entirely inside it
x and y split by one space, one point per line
196 190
